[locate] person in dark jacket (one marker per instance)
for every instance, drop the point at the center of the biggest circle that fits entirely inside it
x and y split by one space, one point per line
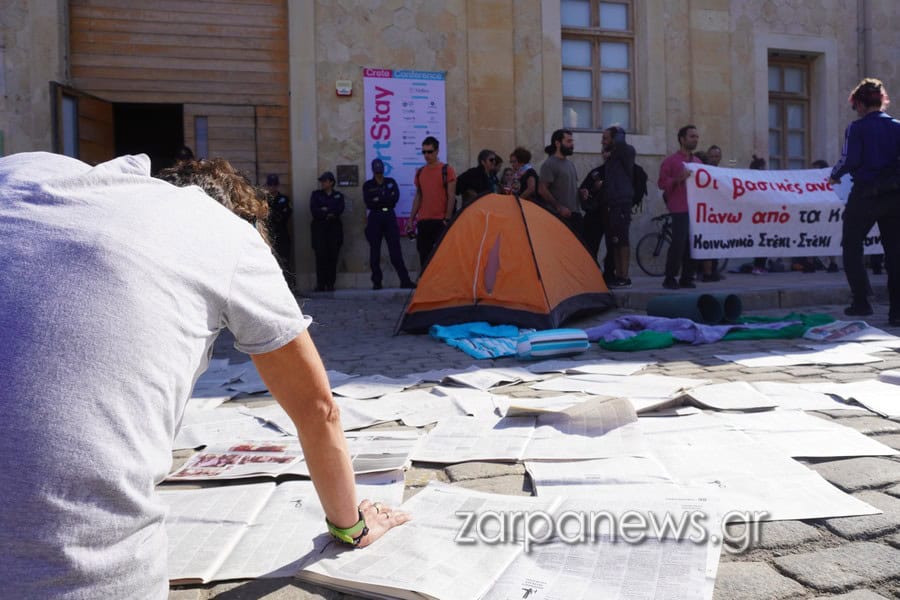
381 195
326 205
525 185
871 156
618 193
280 228
596 215
481 179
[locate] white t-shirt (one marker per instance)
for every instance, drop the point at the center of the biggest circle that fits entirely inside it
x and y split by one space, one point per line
113 287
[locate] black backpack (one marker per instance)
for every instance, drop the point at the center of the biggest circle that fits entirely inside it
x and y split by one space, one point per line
639 182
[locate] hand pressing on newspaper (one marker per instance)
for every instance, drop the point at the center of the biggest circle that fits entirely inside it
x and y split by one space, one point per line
379 519
375 519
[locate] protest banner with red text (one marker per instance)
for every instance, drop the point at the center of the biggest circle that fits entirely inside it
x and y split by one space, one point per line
744 213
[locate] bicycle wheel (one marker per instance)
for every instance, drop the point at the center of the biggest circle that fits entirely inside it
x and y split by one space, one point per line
651 254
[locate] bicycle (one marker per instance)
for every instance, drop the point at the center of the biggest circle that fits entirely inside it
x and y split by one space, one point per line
652 249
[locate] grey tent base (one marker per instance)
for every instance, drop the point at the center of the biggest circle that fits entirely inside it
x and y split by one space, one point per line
498 315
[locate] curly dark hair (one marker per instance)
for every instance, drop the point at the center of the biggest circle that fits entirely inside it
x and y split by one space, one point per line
523 155
229 187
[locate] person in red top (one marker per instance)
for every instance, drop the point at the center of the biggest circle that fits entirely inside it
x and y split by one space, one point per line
672 178
434 203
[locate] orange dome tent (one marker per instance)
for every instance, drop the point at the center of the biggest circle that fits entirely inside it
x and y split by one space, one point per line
506 261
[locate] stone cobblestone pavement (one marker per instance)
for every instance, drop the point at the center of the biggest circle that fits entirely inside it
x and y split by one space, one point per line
854 558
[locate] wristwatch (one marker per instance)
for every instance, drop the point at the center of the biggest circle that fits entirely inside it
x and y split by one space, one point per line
352 535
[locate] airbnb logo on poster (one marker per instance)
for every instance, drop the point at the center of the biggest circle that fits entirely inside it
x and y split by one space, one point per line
743 213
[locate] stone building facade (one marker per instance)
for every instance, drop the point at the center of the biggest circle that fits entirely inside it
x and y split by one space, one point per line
764 77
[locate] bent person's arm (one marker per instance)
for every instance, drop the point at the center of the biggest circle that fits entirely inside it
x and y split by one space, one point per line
296 377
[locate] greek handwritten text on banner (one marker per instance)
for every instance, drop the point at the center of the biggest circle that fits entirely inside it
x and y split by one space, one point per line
745 213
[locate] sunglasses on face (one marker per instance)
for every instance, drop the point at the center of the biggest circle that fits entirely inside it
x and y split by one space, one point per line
427 151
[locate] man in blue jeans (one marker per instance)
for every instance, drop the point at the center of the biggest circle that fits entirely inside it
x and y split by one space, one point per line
672 178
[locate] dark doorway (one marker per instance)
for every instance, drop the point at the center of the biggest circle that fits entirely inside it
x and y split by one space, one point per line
153 129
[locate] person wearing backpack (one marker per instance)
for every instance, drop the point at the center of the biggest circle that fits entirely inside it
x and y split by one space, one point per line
618 193
434 203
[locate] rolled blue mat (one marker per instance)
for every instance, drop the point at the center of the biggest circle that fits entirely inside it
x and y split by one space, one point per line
732 306
700 308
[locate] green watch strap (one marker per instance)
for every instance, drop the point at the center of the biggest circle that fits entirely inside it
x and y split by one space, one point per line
351 535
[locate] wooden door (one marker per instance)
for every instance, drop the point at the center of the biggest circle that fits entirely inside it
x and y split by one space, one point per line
83 126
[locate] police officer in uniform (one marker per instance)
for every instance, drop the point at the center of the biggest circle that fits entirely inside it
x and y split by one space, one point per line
280 227
326 205
381 195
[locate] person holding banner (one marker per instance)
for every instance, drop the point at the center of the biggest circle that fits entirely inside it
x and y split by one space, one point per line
672 178
871 156
710 266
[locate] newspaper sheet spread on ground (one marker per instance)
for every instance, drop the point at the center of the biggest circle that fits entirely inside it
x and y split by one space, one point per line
734 395
752 482
374 386
418 408
222 425
796 396
753 478
439 375
852 331
592 557
219 373
518 406
252 530
485 379
876 395
370 452
799 434
645 392
593 429
223 380
423 557
415 408
596 367
585 558
572 433
604 471
473 402
842 354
